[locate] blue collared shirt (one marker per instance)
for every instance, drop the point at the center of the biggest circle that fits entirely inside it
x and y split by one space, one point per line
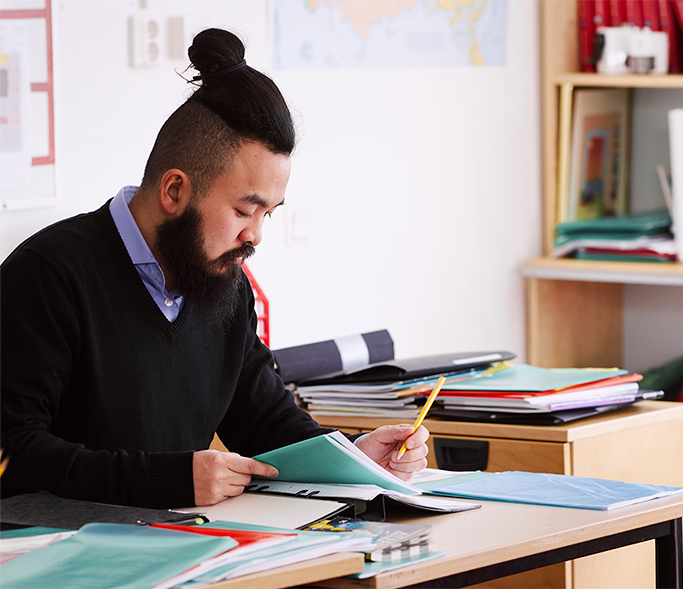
170 303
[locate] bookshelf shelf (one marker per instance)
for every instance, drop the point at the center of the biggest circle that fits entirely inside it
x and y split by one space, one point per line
633 81
593 271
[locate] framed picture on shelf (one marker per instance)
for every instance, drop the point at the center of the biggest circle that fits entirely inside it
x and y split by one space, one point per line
598 176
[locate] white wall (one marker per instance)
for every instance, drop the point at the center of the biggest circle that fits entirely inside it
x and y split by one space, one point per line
421 187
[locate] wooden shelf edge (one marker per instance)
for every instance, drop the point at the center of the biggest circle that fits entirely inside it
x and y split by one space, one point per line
620 81
594 271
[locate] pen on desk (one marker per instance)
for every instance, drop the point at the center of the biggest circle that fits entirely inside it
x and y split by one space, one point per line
424 411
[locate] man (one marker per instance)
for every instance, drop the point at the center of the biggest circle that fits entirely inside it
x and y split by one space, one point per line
129 333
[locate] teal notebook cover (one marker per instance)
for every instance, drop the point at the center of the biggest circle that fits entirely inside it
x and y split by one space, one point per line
619 257
552 489
525 378
644 223
323 460
32 531
101 556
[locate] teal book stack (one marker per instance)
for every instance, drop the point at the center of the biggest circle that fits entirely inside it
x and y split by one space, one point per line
638 237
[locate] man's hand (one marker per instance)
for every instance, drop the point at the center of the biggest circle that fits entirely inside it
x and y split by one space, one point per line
219 475
383 444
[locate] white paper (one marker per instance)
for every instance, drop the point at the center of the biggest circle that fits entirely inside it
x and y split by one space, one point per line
15 105
676 149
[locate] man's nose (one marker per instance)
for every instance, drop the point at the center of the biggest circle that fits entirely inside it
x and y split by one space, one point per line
252 233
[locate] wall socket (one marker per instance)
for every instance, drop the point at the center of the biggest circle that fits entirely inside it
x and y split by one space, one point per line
146 39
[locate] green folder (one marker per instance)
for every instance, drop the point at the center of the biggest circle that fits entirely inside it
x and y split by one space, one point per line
331 458
633 225
525 378
101 556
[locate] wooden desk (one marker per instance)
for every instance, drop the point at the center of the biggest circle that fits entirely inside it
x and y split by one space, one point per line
642 443
504 538
305 573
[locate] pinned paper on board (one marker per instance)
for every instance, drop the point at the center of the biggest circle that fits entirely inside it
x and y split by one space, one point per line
27 98
15 105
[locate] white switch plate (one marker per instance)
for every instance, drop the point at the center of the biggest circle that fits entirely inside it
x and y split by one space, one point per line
146 38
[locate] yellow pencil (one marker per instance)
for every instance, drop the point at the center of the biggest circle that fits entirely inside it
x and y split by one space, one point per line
423 413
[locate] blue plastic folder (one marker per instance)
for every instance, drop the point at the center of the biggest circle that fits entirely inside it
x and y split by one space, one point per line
551 489
102 556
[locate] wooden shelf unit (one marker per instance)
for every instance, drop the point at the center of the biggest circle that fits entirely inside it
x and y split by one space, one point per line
575 308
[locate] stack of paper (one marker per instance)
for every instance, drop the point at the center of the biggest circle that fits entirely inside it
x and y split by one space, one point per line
530 389
639 237
387 546
383 541
118 555
389 389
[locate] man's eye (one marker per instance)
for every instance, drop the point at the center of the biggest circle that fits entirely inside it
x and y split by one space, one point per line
242 214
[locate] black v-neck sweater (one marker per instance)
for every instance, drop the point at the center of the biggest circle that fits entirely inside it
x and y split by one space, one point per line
103 398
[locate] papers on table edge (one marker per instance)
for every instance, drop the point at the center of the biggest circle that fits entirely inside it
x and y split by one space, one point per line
550 489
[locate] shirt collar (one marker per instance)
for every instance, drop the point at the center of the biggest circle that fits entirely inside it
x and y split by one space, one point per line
137 247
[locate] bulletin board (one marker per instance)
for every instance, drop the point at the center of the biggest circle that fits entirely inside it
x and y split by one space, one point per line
27 105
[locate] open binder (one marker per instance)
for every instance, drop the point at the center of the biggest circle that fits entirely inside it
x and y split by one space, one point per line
413 368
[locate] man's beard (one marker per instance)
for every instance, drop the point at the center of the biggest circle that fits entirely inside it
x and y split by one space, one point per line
213 286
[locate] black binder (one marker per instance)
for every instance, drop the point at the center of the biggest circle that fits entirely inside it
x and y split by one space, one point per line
412 368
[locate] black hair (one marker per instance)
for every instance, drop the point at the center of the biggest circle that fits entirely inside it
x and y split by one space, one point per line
232 104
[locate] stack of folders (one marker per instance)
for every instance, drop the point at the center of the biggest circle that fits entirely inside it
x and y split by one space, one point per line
387 546
161 556
390 389
639 237
522 390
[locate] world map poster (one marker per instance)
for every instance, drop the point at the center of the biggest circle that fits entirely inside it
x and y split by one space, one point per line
329 34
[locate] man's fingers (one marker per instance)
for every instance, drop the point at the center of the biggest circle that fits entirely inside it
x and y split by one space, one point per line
249 466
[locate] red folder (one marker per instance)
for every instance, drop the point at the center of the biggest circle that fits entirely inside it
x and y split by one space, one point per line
634 13
242 537
601 14
617 13
669 12
586 12
651 14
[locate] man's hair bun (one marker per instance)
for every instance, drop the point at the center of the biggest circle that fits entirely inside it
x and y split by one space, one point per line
214 50
247 100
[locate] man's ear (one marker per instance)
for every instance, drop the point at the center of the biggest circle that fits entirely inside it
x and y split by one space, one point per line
175 191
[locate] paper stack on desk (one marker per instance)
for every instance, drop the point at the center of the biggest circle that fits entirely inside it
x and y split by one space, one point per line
524 389
390 389
124 555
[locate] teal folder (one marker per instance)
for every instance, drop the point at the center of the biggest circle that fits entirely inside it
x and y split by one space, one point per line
525 378
331 458
305 546
633 225
101 556
551 489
